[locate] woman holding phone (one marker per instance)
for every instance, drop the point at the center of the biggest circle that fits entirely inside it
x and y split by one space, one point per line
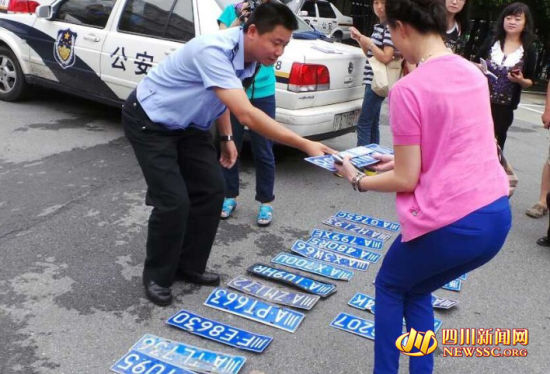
511 57
451 190
379 45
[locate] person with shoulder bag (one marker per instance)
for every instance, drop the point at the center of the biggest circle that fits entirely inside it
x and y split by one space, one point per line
381 59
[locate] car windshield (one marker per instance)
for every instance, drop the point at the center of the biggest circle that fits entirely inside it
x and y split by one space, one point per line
302 25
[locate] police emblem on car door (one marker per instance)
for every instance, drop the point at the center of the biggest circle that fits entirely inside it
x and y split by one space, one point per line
63 49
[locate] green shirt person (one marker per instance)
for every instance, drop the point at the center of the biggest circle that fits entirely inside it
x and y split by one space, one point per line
262 95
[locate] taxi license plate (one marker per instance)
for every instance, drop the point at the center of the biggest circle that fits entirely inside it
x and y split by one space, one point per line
346 250
187 356
312 266
272 294
366 302
362 301
347 239
219 332
295 280
345 120
358 230
441 303
136 362
354 325
454 285
304 249
254 309
369 221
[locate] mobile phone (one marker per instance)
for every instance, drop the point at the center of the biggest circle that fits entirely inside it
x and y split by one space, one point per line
338 159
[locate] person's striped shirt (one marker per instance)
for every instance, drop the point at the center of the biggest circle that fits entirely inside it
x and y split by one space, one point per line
381 37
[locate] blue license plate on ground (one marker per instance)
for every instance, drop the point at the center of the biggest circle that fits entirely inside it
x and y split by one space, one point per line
136 362
354 325
369 221
355 229
292 279
254 309
454 285
312 266
347 239
188 357
272 294
362 301
219 332
437 324
346 250
302 248
441 303
366 302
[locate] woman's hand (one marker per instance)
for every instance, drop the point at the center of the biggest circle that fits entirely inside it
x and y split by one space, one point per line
386 162
516 76
316 148
355 34
346 169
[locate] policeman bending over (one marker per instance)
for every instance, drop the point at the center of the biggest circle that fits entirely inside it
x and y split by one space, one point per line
167 121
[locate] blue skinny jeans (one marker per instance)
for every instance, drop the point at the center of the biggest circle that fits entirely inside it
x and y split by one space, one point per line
412 270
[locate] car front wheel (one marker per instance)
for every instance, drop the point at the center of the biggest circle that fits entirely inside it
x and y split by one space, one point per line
12 81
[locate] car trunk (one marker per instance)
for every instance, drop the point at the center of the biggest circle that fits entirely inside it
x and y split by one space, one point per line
345 66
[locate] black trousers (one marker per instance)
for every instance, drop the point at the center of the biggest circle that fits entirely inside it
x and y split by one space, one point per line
185 187
503 116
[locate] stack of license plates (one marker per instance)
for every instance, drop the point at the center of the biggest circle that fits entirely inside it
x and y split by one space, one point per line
361 157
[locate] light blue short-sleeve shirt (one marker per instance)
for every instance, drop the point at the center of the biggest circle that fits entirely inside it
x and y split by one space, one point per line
178 92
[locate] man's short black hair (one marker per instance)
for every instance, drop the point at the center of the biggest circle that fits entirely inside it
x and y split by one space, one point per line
267 16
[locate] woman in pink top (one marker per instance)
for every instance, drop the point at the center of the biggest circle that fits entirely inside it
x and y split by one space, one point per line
451 190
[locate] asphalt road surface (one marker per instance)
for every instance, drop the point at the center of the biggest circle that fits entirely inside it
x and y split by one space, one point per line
73 230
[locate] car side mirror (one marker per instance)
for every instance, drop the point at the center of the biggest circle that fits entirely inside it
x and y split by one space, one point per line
44 11
303 13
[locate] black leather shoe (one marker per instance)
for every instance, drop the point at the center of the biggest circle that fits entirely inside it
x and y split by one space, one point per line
205 279
161 296
544 241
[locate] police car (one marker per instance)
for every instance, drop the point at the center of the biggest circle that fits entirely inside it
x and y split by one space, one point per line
324 16
101 49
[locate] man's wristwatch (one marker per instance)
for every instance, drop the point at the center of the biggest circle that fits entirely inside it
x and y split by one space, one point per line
226 138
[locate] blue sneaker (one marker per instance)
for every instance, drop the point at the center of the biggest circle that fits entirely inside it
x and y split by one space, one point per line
229 205
265 215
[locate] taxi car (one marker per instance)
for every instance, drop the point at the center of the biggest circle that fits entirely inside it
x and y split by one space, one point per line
100 49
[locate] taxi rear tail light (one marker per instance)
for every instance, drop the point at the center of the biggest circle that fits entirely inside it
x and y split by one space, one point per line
22 6
308 77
